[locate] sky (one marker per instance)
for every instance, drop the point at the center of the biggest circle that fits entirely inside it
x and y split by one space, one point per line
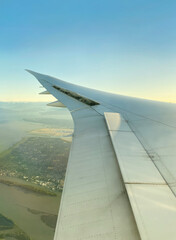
123 46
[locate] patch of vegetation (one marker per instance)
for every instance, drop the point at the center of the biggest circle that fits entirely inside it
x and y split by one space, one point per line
5 223
9 230
50 220
18 235
33 211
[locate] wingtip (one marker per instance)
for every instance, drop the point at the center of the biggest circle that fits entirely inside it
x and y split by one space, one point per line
35 74
30 71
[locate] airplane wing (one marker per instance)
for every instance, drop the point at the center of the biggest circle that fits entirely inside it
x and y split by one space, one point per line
121 176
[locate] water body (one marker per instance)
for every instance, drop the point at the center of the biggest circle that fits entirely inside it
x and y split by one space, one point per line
26 209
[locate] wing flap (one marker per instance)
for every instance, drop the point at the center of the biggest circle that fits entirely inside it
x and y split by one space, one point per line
154 210
135 164
152 200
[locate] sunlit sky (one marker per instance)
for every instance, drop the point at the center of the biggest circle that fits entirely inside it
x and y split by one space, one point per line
121 46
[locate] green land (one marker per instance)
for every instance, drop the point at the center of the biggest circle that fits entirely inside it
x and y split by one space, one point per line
39 161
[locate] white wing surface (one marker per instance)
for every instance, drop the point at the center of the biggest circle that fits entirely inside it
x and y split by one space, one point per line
121 175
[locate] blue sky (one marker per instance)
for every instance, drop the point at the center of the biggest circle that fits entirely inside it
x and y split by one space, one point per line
122 46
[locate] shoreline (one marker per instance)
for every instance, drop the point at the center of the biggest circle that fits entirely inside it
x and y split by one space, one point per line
27 187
